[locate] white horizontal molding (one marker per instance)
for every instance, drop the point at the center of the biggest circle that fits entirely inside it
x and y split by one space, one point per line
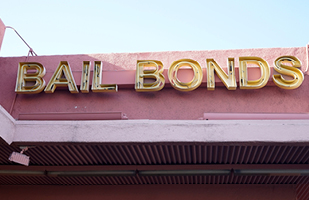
163 131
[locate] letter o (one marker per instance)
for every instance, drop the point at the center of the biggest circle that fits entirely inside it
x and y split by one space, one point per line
185 86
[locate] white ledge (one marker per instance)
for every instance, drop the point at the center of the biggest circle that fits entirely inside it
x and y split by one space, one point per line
7 126
153 130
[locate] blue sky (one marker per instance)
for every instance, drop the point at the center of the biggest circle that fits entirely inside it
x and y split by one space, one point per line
84 27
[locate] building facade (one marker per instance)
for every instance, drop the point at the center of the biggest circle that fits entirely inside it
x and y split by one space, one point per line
156 125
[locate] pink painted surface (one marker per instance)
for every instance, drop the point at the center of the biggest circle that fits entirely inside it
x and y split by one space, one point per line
165 104
73 116
2 30
152 192
255 116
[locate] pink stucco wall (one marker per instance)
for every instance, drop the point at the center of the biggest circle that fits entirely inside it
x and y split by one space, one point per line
165 104
153 192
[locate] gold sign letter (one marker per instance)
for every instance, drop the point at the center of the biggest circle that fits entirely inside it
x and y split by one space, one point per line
30 72
96 81
84 84
188 86
292 71
244 83
229 79
149 69
62 77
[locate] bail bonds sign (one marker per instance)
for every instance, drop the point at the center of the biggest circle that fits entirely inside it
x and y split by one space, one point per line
149 75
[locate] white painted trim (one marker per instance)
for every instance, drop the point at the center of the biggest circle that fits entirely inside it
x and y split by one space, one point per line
7 126
163 131
153 130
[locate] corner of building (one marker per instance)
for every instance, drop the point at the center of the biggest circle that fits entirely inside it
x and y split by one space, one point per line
7 124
